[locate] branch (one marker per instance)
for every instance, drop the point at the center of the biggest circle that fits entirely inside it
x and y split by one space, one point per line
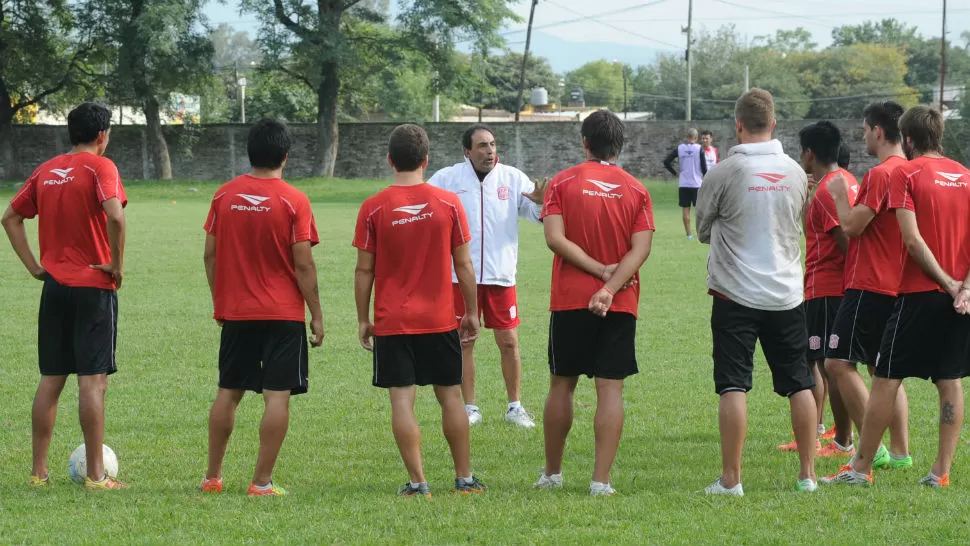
296 76
292 25
349 4
72 65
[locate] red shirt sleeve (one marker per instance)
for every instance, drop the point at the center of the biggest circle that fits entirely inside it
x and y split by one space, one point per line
644 218
210 221
873 191
25 202
108 182
553 204
304 224
823 207
901 190
365 234
460 234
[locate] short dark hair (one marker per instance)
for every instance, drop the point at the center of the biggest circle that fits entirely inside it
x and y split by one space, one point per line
823 139
755 110
85 122
924 126
268 144
407 147
845 155
885 115
466 137
603 132
707 132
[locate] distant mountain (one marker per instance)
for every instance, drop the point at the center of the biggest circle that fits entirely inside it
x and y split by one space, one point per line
566 55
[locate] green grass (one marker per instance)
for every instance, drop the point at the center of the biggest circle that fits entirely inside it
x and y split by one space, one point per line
340 463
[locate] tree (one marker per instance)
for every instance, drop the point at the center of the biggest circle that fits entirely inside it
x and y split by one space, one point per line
602 83
502 74
41 49
789 41
157 47
313 42
887 31
866 72
232 49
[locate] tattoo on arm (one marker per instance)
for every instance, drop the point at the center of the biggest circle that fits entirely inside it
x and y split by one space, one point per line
947 415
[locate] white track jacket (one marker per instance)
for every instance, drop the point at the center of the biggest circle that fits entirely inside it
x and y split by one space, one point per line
493 208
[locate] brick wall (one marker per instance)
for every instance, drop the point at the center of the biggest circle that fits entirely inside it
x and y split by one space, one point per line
218 152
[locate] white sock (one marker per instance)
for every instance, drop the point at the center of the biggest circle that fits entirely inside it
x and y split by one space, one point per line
471 407
469 479
934 476
416 485
598 485
821 429
842 447
266 487
514 405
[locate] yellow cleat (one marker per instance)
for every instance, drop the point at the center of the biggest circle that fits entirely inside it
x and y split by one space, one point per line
107 484
35 481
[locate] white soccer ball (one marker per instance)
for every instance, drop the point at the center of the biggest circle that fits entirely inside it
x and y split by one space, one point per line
77 466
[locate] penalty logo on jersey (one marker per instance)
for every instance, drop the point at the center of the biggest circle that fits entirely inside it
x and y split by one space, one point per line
414 213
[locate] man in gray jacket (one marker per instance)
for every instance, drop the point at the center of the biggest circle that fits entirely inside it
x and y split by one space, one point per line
750 210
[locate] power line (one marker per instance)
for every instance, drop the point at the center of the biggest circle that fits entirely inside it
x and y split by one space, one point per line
774 17
614 27
761 9
584 17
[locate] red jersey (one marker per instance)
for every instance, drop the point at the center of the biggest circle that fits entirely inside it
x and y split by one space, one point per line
601 207
413 232
256 221
824 261
938 191
874 261
67 193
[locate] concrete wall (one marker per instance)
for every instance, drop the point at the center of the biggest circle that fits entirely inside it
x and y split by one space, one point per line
218 152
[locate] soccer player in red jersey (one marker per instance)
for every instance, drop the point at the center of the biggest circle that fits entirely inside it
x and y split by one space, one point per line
80 202
598 221
824 269
261 272
925 337
408 236
874 265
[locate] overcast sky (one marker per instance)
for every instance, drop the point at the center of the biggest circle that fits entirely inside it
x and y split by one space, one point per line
657 23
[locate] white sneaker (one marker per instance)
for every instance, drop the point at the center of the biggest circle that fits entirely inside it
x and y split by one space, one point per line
717 489
518 416
601 490
548 482
807 485
474 416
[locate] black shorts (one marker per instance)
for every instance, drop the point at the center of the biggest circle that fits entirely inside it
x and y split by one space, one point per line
737 328
859 326
688 197
258 355
581 343
77 330
417 359
820 318
925 338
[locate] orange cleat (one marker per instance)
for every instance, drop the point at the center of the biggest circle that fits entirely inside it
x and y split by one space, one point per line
211 485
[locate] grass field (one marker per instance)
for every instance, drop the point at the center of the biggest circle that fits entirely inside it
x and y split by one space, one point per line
340 463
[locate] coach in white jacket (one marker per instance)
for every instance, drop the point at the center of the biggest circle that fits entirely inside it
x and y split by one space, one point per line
495 196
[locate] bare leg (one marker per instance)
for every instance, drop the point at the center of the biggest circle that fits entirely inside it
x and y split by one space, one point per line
468 374
687 220
454 423
406 431
819 391
879 413
222 419
732 416
899 427
608 426
557 420
508 346
951 420
272 432
91 391
852 389
804 422
840 415
43 415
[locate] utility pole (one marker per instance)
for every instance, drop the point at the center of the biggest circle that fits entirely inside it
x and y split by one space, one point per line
690 40
525 59
436 105
747 79
625 104
943 58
